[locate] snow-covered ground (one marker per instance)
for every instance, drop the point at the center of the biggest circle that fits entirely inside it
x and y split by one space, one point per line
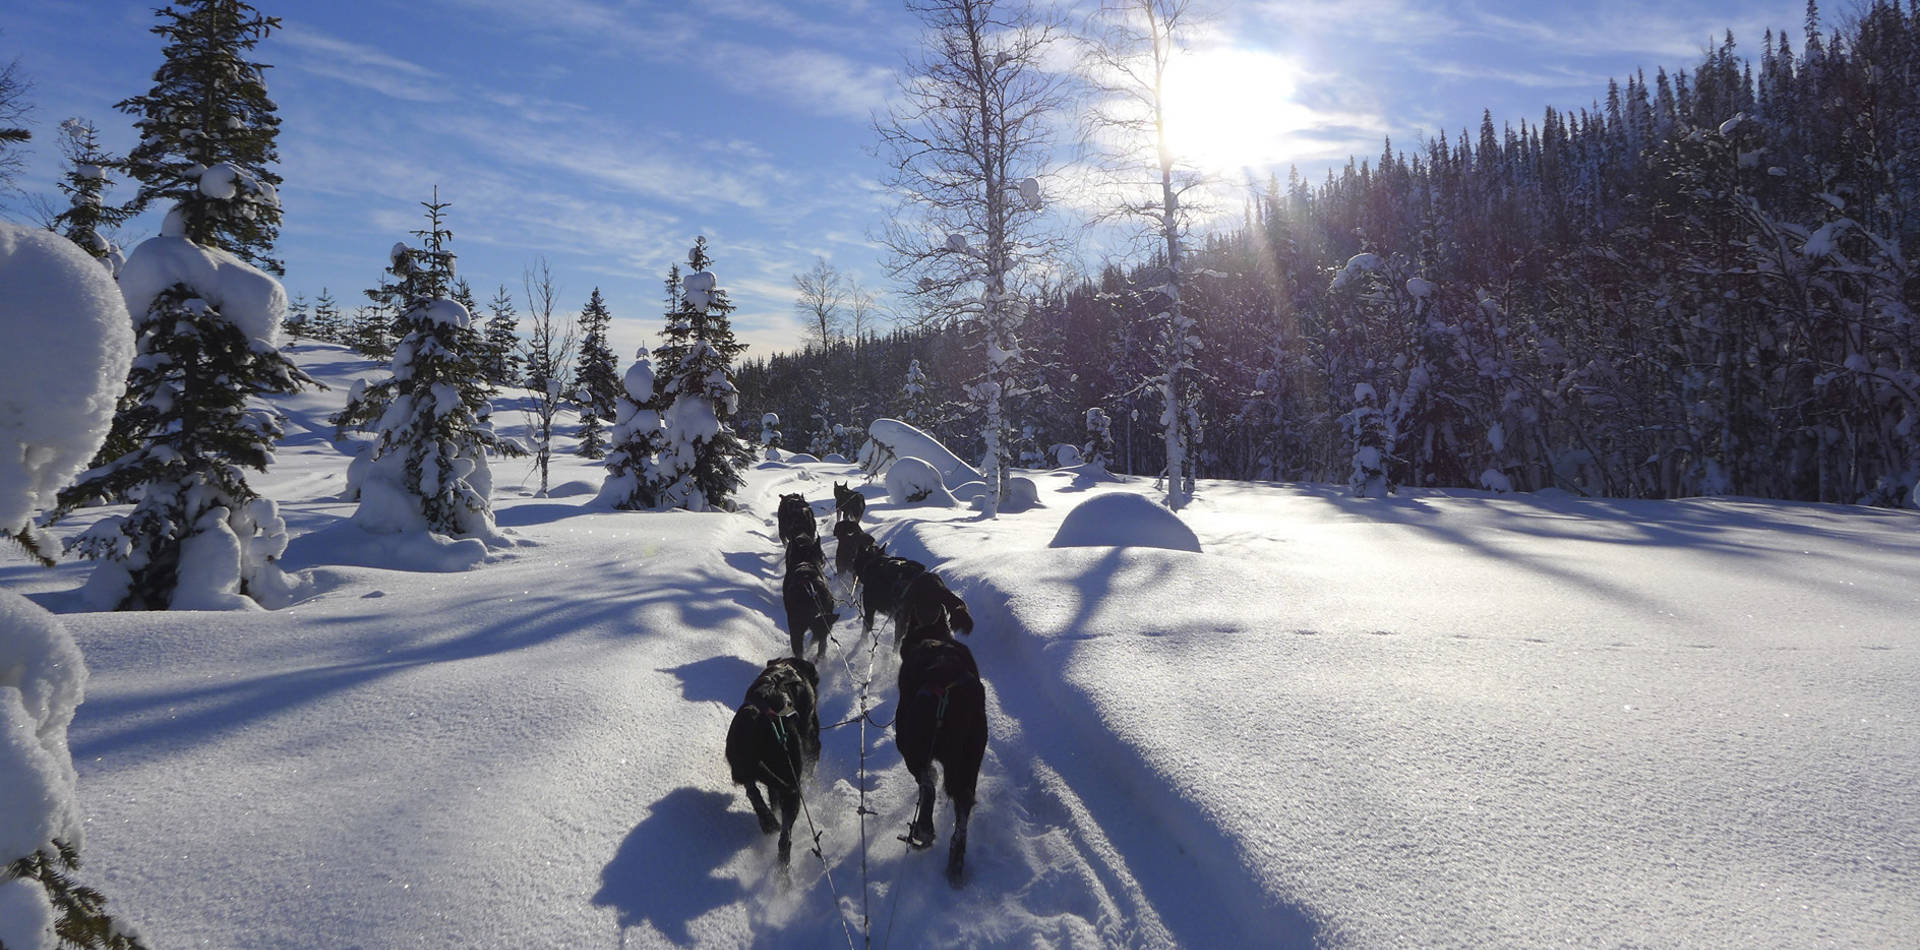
1437 719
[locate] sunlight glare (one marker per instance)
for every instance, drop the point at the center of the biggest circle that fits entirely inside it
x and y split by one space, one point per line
1230 109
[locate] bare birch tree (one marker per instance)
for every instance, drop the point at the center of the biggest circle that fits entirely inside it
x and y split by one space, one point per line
822 292
1129 49
547 352
969 140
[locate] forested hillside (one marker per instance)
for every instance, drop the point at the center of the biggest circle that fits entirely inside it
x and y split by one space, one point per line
1700 283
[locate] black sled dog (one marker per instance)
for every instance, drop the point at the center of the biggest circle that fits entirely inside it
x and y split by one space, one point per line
848 503
848 542
774 741
942 718
927 604
796 518
808 599
883 581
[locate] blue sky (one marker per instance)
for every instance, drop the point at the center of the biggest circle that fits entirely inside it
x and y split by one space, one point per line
605 134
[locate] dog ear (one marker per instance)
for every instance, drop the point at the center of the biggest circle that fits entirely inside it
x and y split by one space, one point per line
807 669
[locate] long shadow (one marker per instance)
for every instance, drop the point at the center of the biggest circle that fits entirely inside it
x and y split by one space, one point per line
664 872
175 718
1720 527
719 679
521 516
1162 855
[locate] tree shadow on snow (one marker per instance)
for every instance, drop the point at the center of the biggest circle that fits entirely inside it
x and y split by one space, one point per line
664 873
719 679
521 516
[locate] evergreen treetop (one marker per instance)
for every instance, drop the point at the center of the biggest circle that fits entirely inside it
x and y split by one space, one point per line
207 130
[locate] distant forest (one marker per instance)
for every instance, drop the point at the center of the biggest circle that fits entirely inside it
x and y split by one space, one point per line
1701 284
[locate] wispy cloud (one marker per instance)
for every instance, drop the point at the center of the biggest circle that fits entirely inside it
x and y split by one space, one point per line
364 66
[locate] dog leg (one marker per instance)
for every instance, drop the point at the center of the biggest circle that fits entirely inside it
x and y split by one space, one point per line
789 809
768 823
920 833
957 851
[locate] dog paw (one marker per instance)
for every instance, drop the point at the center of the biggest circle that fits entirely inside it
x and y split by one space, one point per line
918 838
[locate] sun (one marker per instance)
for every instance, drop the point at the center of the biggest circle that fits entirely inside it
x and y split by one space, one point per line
1230 109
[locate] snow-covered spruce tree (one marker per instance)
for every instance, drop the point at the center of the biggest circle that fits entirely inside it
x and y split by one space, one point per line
427 466
637 439
967 139
702 462
199 537
1099 448
915 400
1372 445
205 323
84 184
597 378
207 130
770 430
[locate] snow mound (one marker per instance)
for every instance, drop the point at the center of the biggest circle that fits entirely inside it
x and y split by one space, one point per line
1020 495
799 457
912 481
891 439
1123 519
42 680
246 296
69 343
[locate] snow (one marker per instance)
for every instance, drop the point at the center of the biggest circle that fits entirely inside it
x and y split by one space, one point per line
1440 719
889 439
42 680
913 481
220 181
1123 520
247 297
1821 242
69 343
1419 287
698 289
1356 265
447 313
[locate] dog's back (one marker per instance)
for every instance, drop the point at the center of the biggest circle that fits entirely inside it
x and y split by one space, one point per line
929 608
883 580
849 540
848 502
775 735
795 518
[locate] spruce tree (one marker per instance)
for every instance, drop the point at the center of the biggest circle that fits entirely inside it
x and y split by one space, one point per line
427 466
914 397
207 130
502 362
328 324
703 460
634 479
299 320
596 376
205 348
84 183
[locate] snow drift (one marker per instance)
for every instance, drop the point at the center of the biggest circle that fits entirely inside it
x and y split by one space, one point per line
69 343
